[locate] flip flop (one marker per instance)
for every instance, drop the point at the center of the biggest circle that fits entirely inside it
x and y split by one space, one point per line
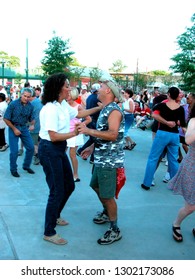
176 234
55 239
61 222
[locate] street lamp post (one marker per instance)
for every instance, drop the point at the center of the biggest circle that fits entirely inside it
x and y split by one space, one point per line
3 69
127 81
26 60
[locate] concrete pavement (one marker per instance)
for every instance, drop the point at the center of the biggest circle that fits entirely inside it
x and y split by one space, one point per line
145 217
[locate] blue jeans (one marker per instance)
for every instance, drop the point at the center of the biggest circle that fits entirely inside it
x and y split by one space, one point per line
129 119
13 145
59 178
162 139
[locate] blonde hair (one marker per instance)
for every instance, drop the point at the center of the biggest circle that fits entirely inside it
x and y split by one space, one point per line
74 93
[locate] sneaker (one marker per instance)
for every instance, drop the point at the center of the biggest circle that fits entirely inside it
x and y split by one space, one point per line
101 218
110 236
153 183
165 180
36 160
4 148
166 177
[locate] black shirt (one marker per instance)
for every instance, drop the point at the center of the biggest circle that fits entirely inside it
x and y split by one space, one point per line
177 115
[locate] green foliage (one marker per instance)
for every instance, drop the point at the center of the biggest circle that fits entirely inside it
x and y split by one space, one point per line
185 59
57 56
95 74
75 62
18 79
117 66
159 73
140 81
10 61
76 73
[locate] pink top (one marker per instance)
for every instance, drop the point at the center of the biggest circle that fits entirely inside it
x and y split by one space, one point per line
74 121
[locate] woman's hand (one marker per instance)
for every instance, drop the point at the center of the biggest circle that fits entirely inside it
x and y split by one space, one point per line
82 128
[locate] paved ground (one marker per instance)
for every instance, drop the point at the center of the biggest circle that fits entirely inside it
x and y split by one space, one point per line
145 217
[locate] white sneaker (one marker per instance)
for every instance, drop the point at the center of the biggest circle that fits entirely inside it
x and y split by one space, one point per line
4 148
153 183
166 177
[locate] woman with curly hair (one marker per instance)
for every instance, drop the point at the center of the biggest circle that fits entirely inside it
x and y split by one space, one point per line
55 119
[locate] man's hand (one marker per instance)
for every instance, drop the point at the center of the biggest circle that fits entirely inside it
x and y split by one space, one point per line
87 152
82 128
16 131
31 127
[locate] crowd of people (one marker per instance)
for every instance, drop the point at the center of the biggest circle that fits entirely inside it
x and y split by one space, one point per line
58 118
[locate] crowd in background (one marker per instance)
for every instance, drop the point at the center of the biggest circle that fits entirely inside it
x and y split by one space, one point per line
137 108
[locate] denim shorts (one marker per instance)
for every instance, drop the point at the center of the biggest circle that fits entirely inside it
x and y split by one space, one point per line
104 179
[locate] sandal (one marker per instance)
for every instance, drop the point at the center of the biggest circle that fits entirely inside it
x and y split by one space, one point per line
176 234
61 222
193 232
56 239
77 180
126 148
133 145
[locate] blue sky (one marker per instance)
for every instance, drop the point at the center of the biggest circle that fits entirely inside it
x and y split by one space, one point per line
100 32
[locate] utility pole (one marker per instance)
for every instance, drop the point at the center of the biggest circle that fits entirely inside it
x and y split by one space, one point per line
26 59
136 76
3 71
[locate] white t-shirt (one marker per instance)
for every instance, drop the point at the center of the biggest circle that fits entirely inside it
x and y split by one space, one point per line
56 117
3 107
127 106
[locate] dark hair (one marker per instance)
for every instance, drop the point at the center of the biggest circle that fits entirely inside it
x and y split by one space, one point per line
26 84
38 88
129 91
173 92
52 87
2 96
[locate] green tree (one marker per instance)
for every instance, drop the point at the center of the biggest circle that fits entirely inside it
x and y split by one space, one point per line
75 62
18 79
10 61
117 66
140 81
57 56
76 73
185 59
95 75
159 73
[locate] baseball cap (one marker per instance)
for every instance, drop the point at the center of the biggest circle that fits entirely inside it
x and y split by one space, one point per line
114 88
95 87
84 87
